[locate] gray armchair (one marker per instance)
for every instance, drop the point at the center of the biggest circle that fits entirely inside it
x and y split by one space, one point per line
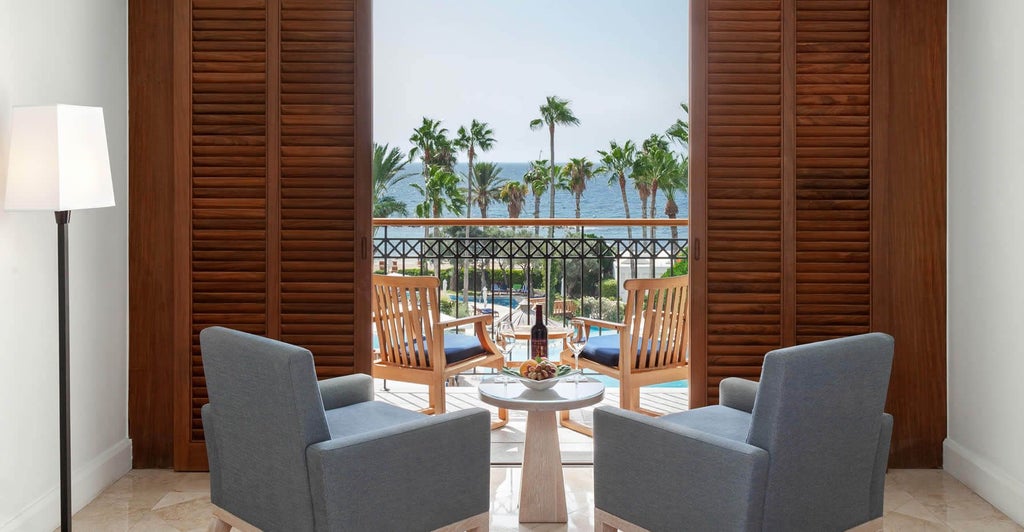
288 453
806 449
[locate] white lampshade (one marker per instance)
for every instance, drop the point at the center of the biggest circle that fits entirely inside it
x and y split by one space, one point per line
58 159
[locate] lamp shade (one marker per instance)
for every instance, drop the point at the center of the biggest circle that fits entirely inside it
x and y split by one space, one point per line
58 159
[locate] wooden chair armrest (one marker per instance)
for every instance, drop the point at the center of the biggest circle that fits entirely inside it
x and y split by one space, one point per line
620 327
458 322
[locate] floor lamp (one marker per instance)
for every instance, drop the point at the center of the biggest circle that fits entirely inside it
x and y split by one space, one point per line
58 162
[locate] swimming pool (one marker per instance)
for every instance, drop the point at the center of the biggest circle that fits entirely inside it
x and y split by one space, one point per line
500 299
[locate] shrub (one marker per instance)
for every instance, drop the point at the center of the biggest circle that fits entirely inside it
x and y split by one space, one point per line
681 267
604 308
609 288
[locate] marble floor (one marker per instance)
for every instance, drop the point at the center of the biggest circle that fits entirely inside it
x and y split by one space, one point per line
161 500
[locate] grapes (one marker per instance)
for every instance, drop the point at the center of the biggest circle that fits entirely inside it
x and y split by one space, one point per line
545 369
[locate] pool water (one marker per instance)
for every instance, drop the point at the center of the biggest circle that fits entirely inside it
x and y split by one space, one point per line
505 300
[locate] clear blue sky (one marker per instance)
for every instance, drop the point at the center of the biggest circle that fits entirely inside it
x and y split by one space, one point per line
624 64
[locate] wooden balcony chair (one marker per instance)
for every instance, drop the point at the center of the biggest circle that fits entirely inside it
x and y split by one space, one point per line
650 347
564 307
407 316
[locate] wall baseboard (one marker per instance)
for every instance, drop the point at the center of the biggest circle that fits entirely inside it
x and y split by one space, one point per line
985 478
88 481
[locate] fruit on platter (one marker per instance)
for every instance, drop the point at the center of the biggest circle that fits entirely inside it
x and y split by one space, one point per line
540 369
545 369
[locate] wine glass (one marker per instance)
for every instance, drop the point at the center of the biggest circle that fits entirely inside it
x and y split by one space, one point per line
505 338
577 340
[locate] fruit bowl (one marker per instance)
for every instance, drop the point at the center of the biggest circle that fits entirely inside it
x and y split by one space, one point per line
544 384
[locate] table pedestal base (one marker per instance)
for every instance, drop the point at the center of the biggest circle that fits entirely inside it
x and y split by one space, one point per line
542 495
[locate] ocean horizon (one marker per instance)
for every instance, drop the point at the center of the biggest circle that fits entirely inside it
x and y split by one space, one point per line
600 200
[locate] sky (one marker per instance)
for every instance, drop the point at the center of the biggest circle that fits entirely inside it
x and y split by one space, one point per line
624 65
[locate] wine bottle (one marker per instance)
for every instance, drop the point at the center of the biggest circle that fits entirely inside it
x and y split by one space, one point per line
539 336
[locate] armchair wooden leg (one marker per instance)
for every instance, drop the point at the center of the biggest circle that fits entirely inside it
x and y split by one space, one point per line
565 421
216 525
606 522
502 419
224 521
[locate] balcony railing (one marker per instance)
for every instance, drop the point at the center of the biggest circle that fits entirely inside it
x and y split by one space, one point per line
505 266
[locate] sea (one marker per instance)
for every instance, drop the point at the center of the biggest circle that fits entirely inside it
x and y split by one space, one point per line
600 200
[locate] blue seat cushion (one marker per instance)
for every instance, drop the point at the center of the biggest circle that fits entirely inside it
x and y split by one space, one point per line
719 420
365 417
458 347
602 349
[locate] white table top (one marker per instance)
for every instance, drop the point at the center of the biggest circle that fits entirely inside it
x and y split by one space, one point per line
566 395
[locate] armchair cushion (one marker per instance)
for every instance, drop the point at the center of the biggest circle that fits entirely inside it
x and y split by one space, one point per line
602 349
719 420
365 417
459 347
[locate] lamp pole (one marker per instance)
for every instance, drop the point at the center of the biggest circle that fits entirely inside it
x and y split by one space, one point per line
64 377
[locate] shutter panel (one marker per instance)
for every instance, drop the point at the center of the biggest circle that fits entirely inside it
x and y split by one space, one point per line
833 185
785 101
229 178
318 181
273 217
744 187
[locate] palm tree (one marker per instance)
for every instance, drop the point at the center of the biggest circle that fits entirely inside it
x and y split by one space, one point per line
615 162
646 185
388 164
578 171
659 168
678 182
427 141
554 112
537 178
477 136
440 193
680 130
486 185
514 195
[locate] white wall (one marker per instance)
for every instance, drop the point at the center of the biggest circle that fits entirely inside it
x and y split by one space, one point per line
75 52
985 444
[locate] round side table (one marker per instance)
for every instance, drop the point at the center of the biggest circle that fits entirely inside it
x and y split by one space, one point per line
542 494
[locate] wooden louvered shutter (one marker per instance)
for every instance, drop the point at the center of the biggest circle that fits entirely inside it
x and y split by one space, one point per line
277 215
781 189
743 187
318 186
832 170
228 194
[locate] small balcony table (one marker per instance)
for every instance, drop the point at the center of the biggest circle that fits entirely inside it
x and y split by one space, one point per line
542 494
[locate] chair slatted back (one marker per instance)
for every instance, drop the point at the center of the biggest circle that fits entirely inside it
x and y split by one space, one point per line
405 312
655 318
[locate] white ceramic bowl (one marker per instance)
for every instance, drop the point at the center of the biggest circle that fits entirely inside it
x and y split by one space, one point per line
540 385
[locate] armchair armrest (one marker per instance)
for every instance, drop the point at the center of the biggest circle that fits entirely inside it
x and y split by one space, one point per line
346 390
593 322
458 322
737 393
420 475
715 483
